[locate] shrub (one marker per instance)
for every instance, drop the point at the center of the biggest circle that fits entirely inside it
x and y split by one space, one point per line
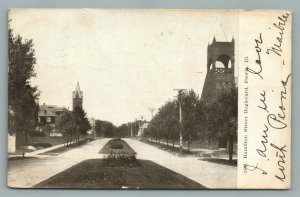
41 144
117 146
117 138
37 134
120 160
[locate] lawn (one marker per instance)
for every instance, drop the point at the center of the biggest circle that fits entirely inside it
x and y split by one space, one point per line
93 174
196 144
117 146
170 148
52 141
221 161
65 148
197 153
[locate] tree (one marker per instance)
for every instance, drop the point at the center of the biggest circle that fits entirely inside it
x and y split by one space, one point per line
122 131
81 121
228 107
104 128
73 124
170 122
164 124
207 121
22 102
223 117
200 118
66 125
189 100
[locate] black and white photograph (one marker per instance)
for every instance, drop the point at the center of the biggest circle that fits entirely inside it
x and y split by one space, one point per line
129 99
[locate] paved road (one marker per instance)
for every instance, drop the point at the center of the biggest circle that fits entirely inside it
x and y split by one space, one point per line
210 175
29 172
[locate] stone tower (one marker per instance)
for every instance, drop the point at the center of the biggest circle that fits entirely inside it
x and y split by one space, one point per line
220 69
77 97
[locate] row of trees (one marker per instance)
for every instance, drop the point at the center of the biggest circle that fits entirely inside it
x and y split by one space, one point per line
105 128
23 97
207 122
22 102
73 125
108 129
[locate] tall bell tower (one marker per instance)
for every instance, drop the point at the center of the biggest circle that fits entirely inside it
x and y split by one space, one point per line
77 97
220 69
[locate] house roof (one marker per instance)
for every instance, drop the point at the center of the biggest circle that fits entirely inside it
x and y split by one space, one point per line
49 110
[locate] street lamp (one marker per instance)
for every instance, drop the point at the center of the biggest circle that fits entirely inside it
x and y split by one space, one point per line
180 91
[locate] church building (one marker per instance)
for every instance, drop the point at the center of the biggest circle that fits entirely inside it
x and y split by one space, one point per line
77 97
220 69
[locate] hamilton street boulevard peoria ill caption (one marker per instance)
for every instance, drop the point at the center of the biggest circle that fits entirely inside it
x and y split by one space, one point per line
149 98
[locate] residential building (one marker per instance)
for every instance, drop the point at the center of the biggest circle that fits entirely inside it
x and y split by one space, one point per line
48 114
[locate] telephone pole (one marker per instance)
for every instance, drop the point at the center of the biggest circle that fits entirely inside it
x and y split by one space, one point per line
180 91
141 122
151 110
128 129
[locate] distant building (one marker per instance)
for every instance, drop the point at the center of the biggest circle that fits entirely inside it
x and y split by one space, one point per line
77 97
92 131
49 113
142 128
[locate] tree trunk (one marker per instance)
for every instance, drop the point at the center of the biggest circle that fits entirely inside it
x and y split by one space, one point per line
230 147
26 138
209 142
173 143
20 139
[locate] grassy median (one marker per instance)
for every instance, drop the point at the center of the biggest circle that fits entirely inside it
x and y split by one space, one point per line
93 174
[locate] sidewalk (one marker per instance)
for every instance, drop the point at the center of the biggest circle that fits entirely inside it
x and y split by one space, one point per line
210 175
26 173
39 151
214 153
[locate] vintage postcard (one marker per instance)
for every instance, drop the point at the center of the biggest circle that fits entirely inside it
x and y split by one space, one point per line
149 99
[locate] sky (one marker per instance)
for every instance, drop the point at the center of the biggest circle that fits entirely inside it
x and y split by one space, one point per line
126 61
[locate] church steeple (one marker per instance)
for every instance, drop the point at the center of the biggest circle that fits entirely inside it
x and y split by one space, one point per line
77 97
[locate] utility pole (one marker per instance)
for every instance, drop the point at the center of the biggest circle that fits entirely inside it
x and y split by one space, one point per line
93 128
134 127
180 91
128 132
151 110
140 121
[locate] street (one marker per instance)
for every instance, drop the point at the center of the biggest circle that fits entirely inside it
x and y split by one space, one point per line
208 174
29 172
